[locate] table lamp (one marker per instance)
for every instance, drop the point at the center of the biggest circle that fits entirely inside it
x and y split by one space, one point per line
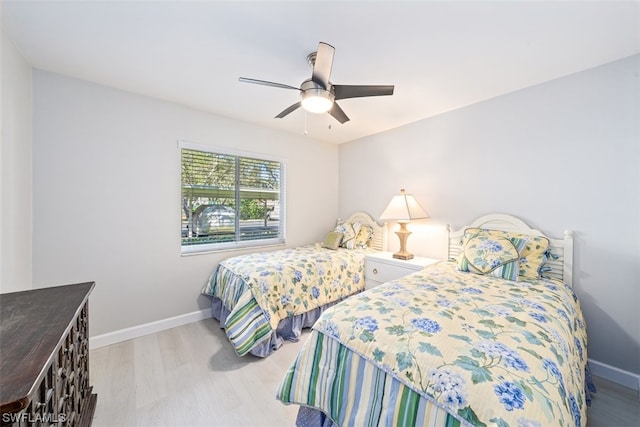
403 209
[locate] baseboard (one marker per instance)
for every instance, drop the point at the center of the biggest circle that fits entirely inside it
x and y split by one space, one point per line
616 375
147 328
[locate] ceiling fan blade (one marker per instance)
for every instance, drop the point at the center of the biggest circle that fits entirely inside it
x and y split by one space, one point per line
337 113
266 83
354 91
288 110
323 64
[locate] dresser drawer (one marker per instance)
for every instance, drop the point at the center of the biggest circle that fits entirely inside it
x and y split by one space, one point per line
381 267
383 272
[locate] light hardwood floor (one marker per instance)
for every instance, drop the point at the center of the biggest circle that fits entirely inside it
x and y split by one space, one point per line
190 376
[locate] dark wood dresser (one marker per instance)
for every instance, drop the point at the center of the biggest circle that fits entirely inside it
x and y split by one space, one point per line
44 357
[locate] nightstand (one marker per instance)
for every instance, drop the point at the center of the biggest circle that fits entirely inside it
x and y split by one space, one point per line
380 267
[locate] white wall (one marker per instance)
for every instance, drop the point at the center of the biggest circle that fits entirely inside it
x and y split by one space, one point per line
107 196
15 157
561 155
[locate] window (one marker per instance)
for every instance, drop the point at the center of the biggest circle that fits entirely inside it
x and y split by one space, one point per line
229 200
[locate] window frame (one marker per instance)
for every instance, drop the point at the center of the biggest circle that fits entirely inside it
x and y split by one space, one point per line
236 244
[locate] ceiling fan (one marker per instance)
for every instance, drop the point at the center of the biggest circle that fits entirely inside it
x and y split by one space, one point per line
318 94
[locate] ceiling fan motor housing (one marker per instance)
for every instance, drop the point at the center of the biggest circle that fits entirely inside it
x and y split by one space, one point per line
315 98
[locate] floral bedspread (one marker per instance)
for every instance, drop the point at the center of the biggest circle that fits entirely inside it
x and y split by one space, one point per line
487 350
260 289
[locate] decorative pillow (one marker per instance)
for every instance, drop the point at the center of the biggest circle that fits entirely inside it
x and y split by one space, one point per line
332 241
363 237
350 231
498 256
532 257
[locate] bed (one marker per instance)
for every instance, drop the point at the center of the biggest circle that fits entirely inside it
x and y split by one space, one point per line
262 299
489 337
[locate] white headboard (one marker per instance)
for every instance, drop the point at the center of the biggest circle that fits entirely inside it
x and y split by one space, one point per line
379 240
561 267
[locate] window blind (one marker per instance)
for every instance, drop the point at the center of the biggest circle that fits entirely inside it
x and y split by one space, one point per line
230 200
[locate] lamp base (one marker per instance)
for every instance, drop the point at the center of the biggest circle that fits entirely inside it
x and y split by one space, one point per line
403 234
403 255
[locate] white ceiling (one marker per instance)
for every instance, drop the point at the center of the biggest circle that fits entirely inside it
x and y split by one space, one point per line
439 55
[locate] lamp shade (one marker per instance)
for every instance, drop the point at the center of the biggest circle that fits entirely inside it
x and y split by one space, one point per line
403 208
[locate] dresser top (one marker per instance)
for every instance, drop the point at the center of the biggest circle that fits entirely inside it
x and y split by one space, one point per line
32 325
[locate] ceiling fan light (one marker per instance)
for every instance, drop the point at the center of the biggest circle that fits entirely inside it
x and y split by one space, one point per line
317 100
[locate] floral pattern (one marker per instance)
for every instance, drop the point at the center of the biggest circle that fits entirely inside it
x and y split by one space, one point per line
350 231
498 256
364 237
532 256
488 350
289 282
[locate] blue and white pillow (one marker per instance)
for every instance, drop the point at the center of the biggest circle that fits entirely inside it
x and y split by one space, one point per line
350 231
499 256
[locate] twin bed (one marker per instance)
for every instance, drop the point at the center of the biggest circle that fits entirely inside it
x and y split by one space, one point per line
262 299
503 344
493 336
